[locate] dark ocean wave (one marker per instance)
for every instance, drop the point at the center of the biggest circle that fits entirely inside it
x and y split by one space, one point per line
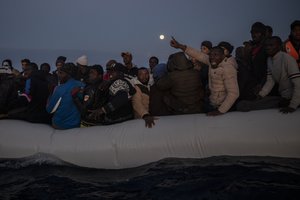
223 177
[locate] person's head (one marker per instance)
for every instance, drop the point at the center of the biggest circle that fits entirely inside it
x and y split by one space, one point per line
273 45
127 58
247 48
143 75
25 63
82 63
95 74
65 72
269 31
115 74
7 63
110 64
227 47
32 67
206 46
45 67
60 61
258 32
6 67
240 53
295 30
153 61
216 56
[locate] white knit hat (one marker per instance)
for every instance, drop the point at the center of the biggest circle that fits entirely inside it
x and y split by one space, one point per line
82 60
5 70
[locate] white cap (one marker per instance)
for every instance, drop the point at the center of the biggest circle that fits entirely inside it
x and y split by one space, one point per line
82 60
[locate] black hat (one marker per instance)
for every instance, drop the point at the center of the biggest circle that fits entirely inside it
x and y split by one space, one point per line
226 45
294 24
98 68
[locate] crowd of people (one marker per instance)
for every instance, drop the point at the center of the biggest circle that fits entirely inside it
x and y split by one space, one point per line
263 74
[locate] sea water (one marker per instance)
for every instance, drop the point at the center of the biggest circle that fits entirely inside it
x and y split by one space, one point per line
223 177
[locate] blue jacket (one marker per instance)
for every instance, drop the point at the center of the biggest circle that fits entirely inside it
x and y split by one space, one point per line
66 115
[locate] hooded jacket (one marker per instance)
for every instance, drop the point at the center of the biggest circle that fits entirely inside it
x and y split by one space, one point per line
185 94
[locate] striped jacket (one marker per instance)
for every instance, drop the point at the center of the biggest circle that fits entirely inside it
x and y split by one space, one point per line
283 69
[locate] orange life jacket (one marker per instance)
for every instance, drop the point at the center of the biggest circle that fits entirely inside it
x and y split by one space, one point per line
292 51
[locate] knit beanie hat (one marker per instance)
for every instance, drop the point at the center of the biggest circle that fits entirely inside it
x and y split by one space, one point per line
82 60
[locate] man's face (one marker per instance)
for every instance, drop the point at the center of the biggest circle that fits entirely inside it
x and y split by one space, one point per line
272 47
62 76
113 74
24 65
296 33
152 63
94 76
205 50
256 36
59 65
143 76
216 57
45 68
83 69
127 59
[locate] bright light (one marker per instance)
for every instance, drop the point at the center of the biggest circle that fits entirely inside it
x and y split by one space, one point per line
161 37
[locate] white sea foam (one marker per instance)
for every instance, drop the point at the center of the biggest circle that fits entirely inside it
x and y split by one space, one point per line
36 159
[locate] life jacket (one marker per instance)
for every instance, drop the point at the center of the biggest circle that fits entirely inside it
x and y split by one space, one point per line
292 51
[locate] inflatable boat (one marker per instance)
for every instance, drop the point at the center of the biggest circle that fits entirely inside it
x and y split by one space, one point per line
131 144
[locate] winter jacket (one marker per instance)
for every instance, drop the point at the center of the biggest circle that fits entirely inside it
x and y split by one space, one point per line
223 86
183 86
222 81
37 94
283 69
94 96
118 107
65 113
8 91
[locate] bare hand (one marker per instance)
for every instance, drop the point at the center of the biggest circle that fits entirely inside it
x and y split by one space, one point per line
174 43
149 121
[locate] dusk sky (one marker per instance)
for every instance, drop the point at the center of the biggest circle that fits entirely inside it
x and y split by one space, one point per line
108 27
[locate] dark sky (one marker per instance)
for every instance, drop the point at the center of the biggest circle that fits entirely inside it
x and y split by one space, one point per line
113 26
